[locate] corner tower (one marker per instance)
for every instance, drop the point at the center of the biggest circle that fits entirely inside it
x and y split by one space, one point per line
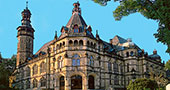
25 37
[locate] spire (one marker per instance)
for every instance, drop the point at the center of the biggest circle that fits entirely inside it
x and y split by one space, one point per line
55 37
97 35
76 17
76 8
26 15
26 4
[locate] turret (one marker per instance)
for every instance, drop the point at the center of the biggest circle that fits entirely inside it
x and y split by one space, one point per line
25 37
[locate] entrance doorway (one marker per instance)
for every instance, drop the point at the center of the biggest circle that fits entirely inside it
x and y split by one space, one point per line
91 82
76 82
62 83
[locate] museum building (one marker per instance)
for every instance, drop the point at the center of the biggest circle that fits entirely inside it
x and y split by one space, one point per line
79 60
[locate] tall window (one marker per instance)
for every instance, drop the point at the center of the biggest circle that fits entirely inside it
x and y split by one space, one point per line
122 81
91 62
42 67
60 62
75 43
35 83
127 54
76 60
35 69
121 68
109 66
43 82
27 73
131 53
116 80
27 84
115 67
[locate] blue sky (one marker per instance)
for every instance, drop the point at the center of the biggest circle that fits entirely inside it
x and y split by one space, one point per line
50 15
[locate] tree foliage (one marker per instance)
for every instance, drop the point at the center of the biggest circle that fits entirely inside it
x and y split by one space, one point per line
167 65
160 79
141 83
158 10
6 69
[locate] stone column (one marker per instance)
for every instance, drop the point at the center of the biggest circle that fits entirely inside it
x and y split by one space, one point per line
85 83
67 83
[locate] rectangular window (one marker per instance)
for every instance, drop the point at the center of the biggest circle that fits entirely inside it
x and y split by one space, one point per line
73 62
78 62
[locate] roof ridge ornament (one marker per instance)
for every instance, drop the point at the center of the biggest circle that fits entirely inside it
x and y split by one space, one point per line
76 8
27 4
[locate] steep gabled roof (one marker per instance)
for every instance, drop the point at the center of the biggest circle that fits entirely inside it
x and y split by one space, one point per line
76 18
117 39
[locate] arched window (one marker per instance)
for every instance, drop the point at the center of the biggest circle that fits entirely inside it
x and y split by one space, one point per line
42 67
76 60
109 66
76 30
81 42
70 43
131 53
60 62
35 83
76 82
127 54
115 67
43 82
60 45
27 84
75 43
91 62
116 80
35 69
91 82
57 46
91 44
63 43
27 71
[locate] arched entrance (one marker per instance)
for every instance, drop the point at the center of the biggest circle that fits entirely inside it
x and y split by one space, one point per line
62 83
91 82
76 82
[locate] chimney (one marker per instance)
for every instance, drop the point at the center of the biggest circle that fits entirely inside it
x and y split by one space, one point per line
155 51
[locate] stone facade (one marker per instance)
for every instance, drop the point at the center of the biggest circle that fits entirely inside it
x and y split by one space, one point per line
78 60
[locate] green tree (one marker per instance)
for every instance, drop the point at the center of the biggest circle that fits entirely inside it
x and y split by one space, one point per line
158 10
167 65
160 80
142 83
6 68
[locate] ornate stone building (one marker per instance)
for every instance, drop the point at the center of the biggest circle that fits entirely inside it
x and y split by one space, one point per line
78 60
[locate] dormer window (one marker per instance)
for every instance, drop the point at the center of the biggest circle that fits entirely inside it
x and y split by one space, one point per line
88 32
76 30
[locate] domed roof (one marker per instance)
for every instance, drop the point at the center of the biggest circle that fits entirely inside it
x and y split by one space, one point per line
154 55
